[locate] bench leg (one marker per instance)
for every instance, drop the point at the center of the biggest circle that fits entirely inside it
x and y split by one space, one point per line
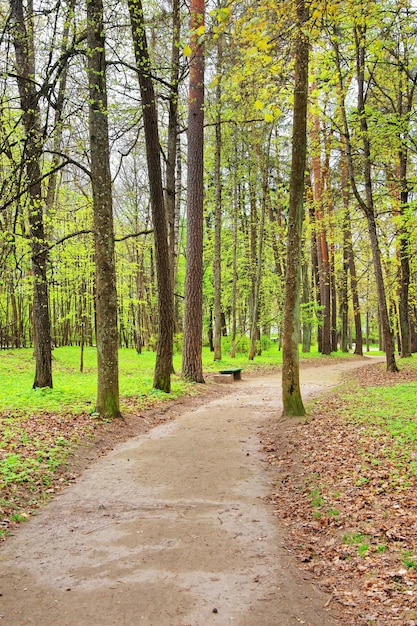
223 378
237 376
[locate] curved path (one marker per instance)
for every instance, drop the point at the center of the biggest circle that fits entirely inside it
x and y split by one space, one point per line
169 529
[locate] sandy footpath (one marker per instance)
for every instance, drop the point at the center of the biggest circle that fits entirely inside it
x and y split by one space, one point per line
169 529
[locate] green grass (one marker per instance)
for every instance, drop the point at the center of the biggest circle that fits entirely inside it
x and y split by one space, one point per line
389 414
316 498
19 469
73 391
32 450
359 540
410 560
76 392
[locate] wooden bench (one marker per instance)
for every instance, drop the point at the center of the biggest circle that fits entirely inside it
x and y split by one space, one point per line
236 371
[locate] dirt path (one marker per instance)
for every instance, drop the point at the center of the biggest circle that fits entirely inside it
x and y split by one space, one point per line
169 529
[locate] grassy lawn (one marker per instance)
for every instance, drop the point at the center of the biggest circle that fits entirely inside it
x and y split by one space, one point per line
76 392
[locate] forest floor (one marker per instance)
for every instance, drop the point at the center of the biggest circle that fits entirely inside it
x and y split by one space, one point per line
200 513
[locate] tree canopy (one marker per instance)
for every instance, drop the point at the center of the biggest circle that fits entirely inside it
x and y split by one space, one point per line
357 270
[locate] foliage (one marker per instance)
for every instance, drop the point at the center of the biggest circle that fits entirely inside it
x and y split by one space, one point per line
256 76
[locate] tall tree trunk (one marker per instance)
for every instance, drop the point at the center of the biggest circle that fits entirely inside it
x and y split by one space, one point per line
25 68
59 111
275 231
331 257
291 393
235 240
348 256
276 242
355 302
254 328
366 204
106 296
83 321
210 331
407 83
254 259
178 233
413 332
315 275
306 301
218 214
404 259
165 346
14 323
172 141
344 295
140 296
344 300
322 245
192 365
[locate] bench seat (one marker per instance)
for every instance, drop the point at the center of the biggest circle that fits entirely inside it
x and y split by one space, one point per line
236 371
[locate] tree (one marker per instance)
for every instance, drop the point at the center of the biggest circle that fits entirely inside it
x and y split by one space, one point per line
368 205
366 202
218 211
59 112
257 257
349 264
291 393
172 140
192 368
402 52
235 206
163 366
249 99
322 246
23 42
106 296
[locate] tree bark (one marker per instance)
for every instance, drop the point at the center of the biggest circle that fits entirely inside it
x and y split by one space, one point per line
165 345
307 304
254 259
218 214
366 204
291 393
331 246
315 275
236 192
172 141
321 237
404 253
192 366
349 258
58 118
29 102
254 328
106 296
